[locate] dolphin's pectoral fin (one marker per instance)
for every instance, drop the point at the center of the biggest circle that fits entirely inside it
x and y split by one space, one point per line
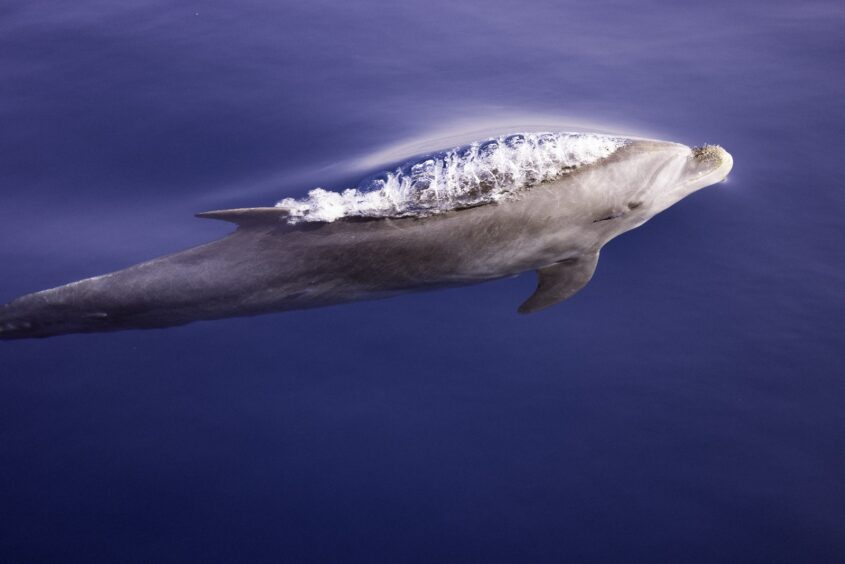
560 281
242 216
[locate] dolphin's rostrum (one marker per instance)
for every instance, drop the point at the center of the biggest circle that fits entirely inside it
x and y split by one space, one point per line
544 202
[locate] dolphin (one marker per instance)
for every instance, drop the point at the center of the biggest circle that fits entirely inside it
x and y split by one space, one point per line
543 202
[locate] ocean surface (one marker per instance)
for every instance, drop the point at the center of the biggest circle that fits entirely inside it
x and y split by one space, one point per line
687 406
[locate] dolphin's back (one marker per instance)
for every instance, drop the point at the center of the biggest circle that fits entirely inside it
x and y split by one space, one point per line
265 265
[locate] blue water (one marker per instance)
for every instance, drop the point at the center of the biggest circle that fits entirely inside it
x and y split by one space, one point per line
687 406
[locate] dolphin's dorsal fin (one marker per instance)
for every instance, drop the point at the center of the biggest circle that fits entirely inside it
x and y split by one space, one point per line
560 281
243 216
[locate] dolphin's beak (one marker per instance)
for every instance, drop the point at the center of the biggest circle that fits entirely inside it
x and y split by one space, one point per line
712 164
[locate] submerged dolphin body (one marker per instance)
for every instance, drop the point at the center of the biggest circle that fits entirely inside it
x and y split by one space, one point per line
492 210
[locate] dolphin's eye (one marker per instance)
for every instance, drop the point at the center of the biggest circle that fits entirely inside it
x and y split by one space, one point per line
608 217
613 214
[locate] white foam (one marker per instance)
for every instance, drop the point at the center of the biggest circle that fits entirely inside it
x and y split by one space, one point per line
488 171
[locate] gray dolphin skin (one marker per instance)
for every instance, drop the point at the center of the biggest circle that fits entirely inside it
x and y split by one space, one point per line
554 223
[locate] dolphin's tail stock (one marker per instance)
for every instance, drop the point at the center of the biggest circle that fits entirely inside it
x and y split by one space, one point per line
52 312
92 305
14 322
164 292
20 319
144 296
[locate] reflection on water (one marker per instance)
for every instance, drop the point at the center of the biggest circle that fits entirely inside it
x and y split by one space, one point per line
686 405
453 134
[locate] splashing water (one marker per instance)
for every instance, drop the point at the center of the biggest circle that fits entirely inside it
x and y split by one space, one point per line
480 173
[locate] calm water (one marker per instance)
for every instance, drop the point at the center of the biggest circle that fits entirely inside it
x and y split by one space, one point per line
686 406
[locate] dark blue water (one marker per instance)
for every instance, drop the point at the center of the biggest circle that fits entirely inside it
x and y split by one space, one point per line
687 406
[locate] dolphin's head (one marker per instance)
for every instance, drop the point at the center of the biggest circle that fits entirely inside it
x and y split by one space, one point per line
646 177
